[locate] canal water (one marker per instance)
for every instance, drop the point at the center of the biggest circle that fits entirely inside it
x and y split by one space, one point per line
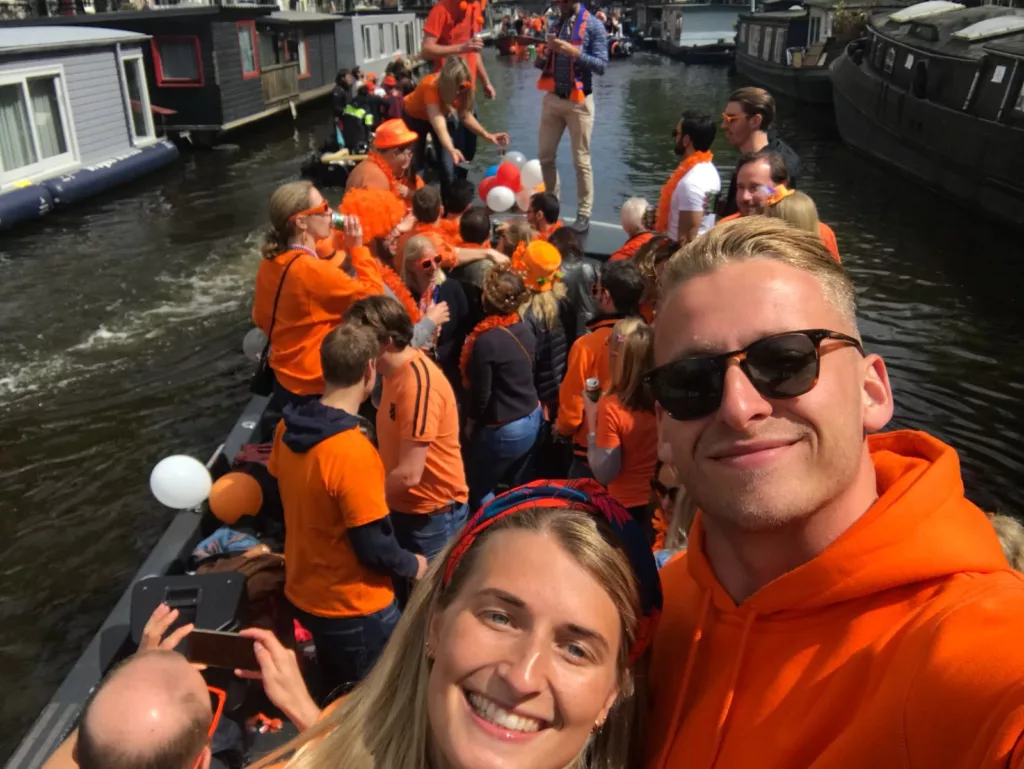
121 324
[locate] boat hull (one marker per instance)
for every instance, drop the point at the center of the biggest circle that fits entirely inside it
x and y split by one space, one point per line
976 162
715 53
807 84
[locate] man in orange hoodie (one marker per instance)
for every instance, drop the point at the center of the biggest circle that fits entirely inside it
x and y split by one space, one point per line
841 603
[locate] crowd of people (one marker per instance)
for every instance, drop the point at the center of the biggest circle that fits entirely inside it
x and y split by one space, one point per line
547 512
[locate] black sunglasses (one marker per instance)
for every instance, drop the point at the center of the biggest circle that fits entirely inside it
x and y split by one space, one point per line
780 366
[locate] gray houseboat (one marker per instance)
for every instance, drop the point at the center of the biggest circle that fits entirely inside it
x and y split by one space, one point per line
698 33
75 117
937 90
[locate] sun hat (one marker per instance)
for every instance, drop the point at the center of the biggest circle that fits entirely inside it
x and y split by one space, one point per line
538 264
393 133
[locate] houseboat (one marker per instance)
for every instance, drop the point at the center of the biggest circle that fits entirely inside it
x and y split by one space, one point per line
789 51
698 33
75 117
216 68
937 90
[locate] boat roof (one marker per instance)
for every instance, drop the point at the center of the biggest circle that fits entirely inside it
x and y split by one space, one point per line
298 17
1011 44
922 10
989 28
848 4
964 32
774 15
34 39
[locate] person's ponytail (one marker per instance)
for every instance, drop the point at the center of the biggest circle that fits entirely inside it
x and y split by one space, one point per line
287 200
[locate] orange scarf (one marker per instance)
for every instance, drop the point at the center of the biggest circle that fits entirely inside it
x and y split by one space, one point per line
393 281
488 323
382 164
665 202
547 233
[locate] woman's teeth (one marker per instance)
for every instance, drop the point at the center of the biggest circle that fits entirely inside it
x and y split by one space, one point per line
489 711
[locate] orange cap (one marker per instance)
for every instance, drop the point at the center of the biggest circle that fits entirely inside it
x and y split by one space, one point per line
538 264
371 77
389 81
393 133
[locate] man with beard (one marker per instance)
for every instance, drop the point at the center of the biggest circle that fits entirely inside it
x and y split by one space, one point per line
688 200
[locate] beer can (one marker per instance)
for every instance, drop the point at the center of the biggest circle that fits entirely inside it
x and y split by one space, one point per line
593 388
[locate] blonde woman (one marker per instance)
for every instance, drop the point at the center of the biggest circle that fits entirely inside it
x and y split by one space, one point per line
548 314
622 440
798 209
438 97
437 298
489 666
299 296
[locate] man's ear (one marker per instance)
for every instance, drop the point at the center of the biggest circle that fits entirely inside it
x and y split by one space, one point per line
756 121
877 394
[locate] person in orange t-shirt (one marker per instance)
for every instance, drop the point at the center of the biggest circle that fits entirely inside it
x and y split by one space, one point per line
389 165
841 603
310 294
543 214
340 551
618 291
622 439
458 200
418 433
633 219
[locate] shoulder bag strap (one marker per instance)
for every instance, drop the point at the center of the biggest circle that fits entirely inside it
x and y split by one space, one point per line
277 297
516 339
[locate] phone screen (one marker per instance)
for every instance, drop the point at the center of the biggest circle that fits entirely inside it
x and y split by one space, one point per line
222 650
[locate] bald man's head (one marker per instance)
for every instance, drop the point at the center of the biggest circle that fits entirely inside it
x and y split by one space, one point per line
152 711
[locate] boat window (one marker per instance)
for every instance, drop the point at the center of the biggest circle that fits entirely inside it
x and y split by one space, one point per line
380 39
754 44
925 32
177 61
766 51
780 45
909 61
367 44
408 39
1019 106
890 59
395 34
141 122
876 56
998 73
34 107
743 33
247 49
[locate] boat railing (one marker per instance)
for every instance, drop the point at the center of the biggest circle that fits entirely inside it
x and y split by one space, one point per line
280 82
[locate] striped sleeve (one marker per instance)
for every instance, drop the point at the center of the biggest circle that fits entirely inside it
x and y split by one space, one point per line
418 405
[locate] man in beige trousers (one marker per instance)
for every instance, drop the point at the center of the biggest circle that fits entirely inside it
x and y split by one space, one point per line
577 50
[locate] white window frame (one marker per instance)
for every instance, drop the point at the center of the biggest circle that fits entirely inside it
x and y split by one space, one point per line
150 138
367 43
778 55
754 40
302 51
767 45
47 167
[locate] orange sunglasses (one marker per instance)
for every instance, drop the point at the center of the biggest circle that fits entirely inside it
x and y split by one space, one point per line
217 699
323 208
727 118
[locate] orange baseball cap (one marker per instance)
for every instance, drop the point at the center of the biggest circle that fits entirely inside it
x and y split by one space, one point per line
539 265
389 81
393 133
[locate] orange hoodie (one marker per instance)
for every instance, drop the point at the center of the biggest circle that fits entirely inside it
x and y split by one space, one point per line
898 646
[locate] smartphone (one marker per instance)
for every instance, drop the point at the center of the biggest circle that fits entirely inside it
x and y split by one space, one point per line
220 649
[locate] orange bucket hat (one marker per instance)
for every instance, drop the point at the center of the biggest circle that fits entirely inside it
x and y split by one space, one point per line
393 133
538 264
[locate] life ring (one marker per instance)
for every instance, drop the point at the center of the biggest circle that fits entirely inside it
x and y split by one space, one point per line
613 48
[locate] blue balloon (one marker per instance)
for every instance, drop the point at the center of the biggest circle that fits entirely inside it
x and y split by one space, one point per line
492 171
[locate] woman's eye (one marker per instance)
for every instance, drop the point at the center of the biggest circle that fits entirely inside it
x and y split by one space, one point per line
577 652
496 617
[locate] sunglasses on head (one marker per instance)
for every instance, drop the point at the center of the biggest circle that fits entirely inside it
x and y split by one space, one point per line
780 366
217 698
727 118
426 263
323 208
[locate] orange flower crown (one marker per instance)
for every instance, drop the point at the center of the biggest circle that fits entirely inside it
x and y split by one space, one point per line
777 194
378 211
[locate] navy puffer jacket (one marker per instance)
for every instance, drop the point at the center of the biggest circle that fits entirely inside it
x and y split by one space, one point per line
552 352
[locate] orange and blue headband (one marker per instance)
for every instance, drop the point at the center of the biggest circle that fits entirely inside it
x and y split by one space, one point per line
589 496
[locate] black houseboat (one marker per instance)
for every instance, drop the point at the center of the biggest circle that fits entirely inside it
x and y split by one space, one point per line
938 91
789 51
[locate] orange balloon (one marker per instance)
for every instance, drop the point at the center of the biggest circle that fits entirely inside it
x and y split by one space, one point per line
235 495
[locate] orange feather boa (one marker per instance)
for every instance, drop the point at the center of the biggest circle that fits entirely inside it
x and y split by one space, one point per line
665 201
379 211
393 281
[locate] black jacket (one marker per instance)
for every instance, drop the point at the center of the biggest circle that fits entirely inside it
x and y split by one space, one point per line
500 368
374 543
580 277
552 352
453 333
775 144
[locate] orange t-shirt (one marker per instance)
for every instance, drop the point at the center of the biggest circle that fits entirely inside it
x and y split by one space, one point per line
426 92
451 26
450 227
314 297
635 434
630 247
828 237
418 404
335 486
588 358
435 232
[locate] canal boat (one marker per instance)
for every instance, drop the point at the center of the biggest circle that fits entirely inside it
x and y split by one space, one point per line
514 45
937 90
78 103
114 640
697 33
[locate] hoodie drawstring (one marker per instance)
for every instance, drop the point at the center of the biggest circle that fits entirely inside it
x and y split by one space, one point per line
731 691
691 661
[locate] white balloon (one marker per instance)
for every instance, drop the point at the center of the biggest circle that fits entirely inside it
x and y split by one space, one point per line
523 199
518 159
253 343
180 482
500 199
530 174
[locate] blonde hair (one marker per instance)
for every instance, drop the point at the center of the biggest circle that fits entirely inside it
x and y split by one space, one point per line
414 249
287 200
796 209
1011 538
515 232
383 723
544 304
632 216
454 73
758 237
631 347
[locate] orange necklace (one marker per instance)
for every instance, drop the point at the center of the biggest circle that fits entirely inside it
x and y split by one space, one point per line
487 324
382 164
665 202
393 281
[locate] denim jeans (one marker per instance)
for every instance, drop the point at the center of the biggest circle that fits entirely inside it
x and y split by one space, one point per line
463 139
428 533
348 647
502 454
443 163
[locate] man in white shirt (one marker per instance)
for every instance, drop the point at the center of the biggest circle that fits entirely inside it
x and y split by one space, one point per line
692 210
